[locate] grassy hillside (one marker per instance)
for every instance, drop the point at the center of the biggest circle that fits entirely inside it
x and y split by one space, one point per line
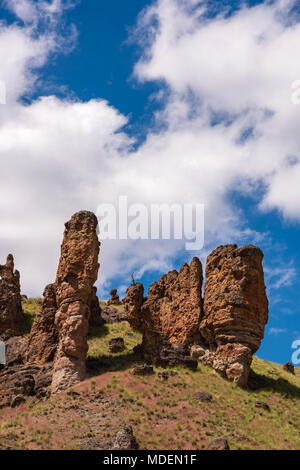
164 414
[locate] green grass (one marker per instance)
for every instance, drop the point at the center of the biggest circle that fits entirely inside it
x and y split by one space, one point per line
99 358
168 407
30 308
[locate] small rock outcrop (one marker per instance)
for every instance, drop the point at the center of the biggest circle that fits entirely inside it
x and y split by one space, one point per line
11 313
143 369
202 396
43 339
77 272
16 348
288 367
170 316
23 380
125 440
235 310
114 298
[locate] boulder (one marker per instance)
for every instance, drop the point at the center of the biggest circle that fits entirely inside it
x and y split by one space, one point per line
197 351
202 396
143 369
116 345
218 444
125 440
16 348
263 405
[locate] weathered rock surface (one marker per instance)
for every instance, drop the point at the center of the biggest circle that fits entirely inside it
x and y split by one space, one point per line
43 339
11 313
170 316
76 275
96 312
125 440
16 348
197 351
114 298
23 380
235 309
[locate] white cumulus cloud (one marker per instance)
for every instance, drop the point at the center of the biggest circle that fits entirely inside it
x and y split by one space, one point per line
226 77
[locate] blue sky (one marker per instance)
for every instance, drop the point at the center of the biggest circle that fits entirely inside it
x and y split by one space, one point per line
173 127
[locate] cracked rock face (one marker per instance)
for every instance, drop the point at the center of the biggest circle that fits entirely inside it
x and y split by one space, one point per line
235 309
43 339
11 313
171 313
77 272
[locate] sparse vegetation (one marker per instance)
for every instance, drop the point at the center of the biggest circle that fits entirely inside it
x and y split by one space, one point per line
163 413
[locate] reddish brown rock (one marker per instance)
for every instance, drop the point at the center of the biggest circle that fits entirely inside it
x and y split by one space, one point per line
114 298
235 309
170 315
11 313
76 275
132 304
96 312
43 339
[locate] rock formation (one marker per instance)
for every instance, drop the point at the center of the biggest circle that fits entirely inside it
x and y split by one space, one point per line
235 310
77 272
11 313
125 440
16 348
288 367
170 316
95 317
224 332
43 339
114 298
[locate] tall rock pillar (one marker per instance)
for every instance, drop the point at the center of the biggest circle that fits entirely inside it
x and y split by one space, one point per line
235 309
77 272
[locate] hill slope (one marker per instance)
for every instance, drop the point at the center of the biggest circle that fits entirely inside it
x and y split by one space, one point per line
163 413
